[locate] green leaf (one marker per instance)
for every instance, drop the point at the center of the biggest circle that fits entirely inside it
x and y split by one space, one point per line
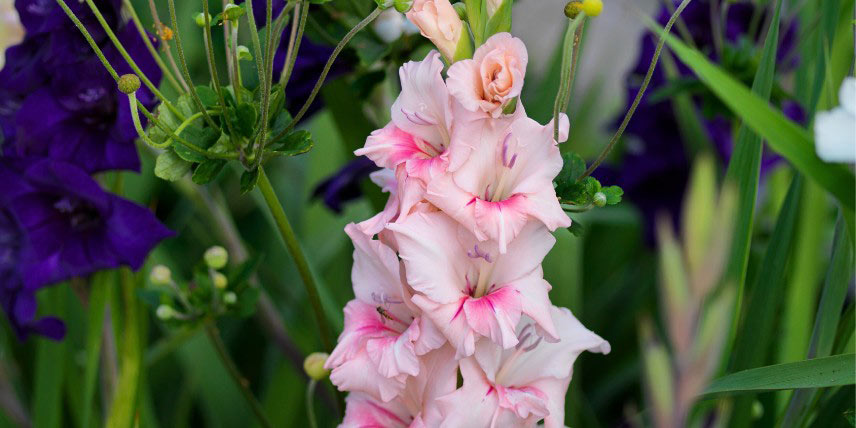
98 297
125 400
201 137
50 366
477 19
170 167
295 143
208 170
783 136
500 22
613 194
249 179
817 373
244 119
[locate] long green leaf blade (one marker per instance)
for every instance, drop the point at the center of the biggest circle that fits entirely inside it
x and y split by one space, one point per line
94 330
785 137
50 367
825 372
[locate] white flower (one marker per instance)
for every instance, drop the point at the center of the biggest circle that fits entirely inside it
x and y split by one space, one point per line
11 31
835 130
389 25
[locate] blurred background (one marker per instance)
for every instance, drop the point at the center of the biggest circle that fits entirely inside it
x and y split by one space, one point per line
609 276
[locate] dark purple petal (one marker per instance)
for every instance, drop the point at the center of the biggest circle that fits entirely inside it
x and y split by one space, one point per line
344 186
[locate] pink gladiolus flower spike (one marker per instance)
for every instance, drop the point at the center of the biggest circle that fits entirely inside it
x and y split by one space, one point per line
384 333
520 386
468 288
506 182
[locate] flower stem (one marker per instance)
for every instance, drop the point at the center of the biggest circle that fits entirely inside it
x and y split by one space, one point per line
310 403
297 254
184 69
638 99
362 24
294 42
140 29
151 86
159 26
124 402
215 78
569 46
240 381
267 83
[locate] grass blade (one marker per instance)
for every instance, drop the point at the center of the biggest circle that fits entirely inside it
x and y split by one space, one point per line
124 407
817 373
50 366
98 297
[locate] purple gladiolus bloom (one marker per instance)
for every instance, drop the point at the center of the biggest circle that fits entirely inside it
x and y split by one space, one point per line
344 186
654 167
58 223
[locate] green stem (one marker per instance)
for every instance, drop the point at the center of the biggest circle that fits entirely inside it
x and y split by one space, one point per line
362 24
215 78
240 381
297 254
639 94
310 403
294 44
159 26
569 45
184 69
124 402
130 60
258 149
257 44
98 297
144 35
135 117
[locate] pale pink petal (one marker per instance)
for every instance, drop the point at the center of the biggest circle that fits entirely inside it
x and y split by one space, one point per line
395 355
555 391
363 411
424 107
361 322
475 404
524 254
359 374
375 275
454 201
495 315
535 302
451 320
464 84
525 402
430 336
502 220
438 377
555 359
539 160
436 264
545 207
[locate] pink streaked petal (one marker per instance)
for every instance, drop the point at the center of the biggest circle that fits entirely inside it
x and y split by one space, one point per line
361 323
495 315
395 355
539 159
555 391
435 264
525 402
363 411
438 377
451 320
359 374
430 337
390 146
545 207
503 220
475 404
423 91
454 201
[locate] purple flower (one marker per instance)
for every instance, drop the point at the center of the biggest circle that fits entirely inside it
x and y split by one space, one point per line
654 166
58 101
57 224
344 186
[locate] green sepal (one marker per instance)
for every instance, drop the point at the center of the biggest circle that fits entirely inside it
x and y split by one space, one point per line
464 50
500 22
207 96
477 19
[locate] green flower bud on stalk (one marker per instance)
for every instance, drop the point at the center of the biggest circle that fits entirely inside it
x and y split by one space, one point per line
313 365
160 275
200 20
216 257
230 298
129 83
599 199
592 7
232 12
573 8
403 6
385 4
165 312
220 280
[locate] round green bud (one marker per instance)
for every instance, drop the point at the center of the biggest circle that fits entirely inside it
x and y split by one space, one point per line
592 7
160 275
165 312
129 83
313 365
461 8
216 257
385 4
573 8
220 280
200 20
232 12
403 6
230 298
757 410
599 199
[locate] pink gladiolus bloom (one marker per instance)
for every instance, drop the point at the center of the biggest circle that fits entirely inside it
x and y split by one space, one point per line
439 22
468 288
493 78
520 386
416 407
506 182
384 333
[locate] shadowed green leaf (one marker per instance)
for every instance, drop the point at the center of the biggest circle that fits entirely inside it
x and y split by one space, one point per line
817 373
